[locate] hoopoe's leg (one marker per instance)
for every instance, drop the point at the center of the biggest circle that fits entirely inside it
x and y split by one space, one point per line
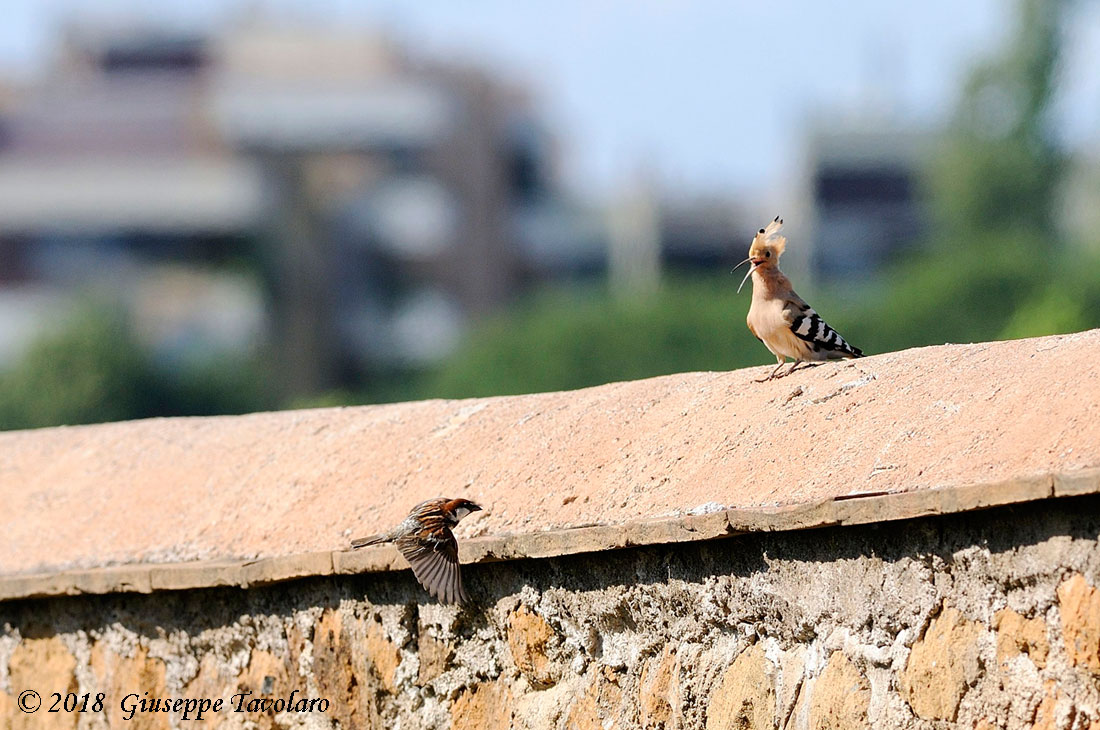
793 368
782 361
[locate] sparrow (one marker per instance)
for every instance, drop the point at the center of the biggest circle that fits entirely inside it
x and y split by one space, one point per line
778 317
426 541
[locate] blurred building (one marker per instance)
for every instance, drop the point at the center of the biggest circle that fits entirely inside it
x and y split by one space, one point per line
378 196
318 193
705 234
861 189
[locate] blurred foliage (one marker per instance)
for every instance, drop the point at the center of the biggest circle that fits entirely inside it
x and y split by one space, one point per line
966 293
1069 303
561 340
217 385
994 266
91 369
999 169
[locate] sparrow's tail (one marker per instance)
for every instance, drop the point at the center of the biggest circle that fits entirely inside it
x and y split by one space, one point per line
372 540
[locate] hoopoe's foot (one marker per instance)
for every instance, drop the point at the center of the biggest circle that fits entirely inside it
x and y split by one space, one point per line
800 364
772 376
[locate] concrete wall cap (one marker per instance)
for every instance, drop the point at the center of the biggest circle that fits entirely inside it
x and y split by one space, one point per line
179 503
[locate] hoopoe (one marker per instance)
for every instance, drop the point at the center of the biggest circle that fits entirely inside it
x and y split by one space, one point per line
781 319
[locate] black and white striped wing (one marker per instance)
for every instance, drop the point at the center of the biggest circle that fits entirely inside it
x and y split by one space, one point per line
807 325
436 567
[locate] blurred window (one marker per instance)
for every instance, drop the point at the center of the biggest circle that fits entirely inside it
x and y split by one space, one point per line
871 184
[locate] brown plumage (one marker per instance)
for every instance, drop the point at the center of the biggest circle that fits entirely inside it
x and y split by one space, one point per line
778 317
425 539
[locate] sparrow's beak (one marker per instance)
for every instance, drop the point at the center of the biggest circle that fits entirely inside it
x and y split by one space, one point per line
475 508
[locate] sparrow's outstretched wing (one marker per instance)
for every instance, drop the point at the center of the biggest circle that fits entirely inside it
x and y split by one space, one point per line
434 562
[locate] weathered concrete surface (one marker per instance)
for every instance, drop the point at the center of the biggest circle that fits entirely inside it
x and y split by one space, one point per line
292 483
977 620
869 509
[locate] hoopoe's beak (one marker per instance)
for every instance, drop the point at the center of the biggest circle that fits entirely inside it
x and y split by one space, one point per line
747 273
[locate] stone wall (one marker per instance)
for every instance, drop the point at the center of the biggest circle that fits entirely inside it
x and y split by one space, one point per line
984 620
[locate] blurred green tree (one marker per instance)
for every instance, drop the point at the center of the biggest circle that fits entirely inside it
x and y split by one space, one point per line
219 384
92 369
1000 169
1070 303
994 187
88 370
993 266
560 340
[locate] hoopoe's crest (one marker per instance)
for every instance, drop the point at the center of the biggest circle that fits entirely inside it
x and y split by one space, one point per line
767 246
778 317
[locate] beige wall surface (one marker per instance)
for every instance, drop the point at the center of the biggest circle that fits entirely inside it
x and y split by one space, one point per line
278 484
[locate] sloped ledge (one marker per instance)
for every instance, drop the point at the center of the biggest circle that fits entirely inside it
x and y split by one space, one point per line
188 502
859 510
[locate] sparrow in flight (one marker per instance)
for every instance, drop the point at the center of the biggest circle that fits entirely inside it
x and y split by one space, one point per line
426 541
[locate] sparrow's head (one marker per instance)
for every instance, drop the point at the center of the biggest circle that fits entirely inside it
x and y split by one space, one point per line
460 508
766 248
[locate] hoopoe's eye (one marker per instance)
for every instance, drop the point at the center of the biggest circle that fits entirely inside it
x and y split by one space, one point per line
768 254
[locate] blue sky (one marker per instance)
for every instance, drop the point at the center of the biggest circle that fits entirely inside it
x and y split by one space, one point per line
711 95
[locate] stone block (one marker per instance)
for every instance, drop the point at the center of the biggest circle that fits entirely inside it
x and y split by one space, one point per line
46 666
1079 604
745 696
600 705
841 696
211 684
435 656
1018 635
942 664
267 676
529 638
658 691
118 676
1054 711
337 679
384 655
486 706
